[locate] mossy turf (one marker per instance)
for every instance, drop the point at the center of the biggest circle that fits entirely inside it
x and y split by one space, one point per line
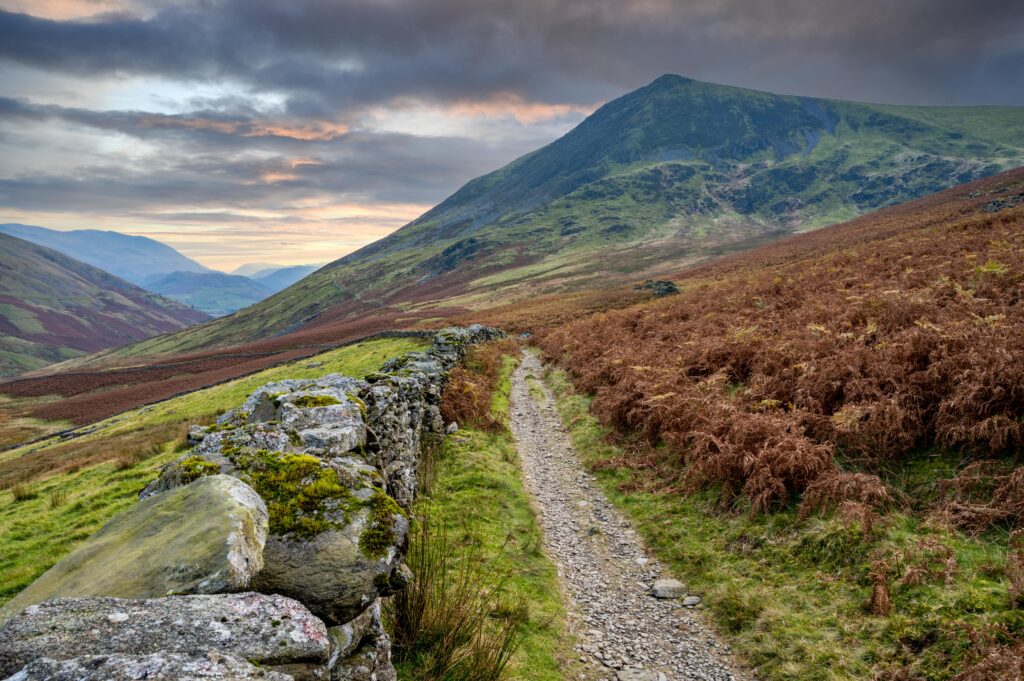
791 595
35 533
478 495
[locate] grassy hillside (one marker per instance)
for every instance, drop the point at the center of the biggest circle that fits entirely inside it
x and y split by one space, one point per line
53 307
826 435
69 489
657 179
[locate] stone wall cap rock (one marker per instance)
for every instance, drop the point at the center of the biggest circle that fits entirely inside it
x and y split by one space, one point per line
262 629
153 667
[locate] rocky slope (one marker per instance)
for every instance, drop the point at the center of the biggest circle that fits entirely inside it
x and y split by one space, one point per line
53 307
298 498
674 172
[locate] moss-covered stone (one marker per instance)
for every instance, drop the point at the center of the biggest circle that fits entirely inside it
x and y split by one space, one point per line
194 467
379 535
358 402
308 401
304 496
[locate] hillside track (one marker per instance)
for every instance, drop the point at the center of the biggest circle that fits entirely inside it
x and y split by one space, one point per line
623 632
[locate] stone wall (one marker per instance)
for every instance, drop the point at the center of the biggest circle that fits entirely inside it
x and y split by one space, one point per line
262 553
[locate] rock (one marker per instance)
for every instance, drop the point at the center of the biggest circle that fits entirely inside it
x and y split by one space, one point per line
639 675
196 434
330 573
659 288
206 537
691 601
452 428
361 650
153 667
265 630
668 588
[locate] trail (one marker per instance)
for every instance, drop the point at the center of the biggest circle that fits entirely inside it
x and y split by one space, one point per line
624 633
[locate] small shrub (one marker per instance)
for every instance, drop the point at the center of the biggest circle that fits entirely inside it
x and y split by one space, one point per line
128 460
470 389
58 498
22 491
881 601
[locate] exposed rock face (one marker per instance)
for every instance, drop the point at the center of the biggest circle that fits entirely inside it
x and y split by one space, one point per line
266 630
153 667
330 464
206 537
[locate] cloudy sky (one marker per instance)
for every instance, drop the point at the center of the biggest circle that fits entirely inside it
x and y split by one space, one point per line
295 131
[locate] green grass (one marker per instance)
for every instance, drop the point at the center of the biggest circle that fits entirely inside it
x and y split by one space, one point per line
34 535
478 494
790 595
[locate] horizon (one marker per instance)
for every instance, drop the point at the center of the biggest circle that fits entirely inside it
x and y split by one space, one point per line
345 121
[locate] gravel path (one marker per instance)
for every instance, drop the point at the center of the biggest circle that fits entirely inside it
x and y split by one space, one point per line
624 632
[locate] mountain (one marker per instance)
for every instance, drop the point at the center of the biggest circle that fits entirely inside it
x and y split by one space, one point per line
278 278
215 293
660 178
129 257
251 268
53 307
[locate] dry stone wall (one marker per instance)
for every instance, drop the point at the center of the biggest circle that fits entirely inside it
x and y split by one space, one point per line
298 499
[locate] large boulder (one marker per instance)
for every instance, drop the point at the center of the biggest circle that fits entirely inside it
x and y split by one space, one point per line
271 631
339 571
152 667
205 537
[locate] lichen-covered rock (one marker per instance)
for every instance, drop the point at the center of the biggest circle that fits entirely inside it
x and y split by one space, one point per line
361 650
337 573
206 537
152 667
266 630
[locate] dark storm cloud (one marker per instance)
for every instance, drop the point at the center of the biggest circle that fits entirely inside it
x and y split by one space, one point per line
328 54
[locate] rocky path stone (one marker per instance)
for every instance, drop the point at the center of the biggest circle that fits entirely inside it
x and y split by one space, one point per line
624 632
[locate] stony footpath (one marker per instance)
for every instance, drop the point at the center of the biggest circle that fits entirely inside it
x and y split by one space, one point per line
263 553
633 622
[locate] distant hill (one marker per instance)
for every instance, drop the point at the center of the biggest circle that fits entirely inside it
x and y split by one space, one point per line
252 268
53 307
130 257
214 293
278 278
660 178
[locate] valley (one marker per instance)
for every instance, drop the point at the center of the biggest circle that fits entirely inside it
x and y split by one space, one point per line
720 384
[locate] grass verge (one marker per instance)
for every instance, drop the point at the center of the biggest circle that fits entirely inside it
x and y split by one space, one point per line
35 533
478 497
794 597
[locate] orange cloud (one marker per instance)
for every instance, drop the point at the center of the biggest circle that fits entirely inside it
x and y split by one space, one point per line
62 9
313 131
512 104
286 170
